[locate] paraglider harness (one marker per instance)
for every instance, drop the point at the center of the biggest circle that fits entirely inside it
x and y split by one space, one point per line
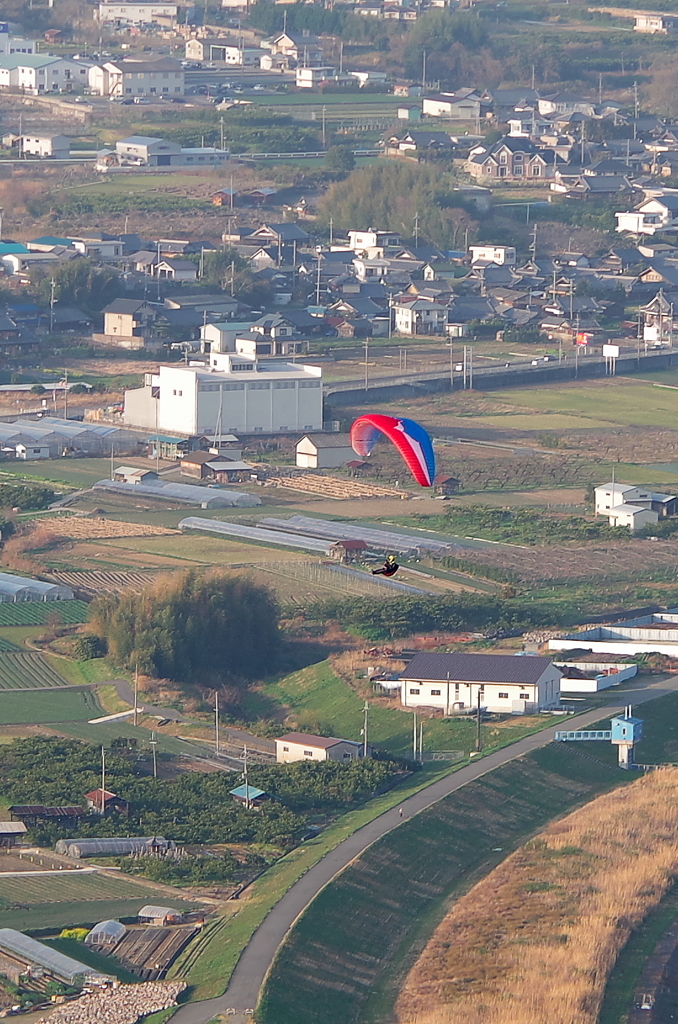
389 568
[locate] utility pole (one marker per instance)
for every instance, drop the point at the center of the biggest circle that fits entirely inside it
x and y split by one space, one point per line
216 721
324 126
103 779
365 714
65 394
154 744
635 103
451 368
600 88
416 229
414 738
479 742
317 283
112 470
367 365
232 278
52 291
423 70
221 125
136 693
244 775
421 742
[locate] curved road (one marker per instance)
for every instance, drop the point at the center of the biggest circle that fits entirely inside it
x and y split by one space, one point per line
250 973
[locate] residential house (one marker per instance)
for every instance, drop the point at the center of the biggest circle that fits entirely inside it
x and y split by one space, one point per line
419 316
137 77
324 451
175 270
244 56
36 74
659 319
312 76
611 496
655 23
656 214
371 239
565 103
16 342
130 323
504 255
495 682
303 48
463 105
208 48
419 141
301 746
513 159
282 235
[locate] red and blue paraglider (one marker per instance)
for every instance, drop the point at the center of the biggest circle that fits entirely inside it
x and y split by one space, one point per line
409 438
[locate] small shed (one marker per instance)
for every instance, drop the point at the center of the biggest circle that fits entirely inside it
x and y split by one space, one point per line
11 833
196 464
29 452
446 484
250 796
633 516
348 550
324 451
102 801
134 475
159 916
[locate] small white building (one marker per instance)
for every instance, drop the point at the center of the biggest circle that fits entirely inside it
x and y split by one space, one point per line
32 451
300 746
656 214
633 516
128 15
244 56
120 79
502 682
56 147
38 73
308 78
591 676
421 316
13 44
324 451
363 241
504 255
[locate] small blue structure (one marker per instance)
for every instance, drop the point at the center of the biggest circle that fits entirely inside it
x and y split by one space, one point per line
250 796
624 732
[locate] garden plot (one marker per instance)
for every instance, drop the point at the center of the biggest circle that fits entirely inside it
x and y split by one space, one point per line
86 528
39 613
26 670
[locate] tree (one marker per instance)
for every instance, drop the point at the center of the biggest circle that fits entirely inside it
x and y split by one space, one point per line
339 158
211 629
445 36
79 283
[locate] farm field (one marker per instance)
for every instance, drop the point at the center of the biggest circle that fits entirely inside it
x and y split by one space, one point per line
194 548
47 707
24 670
408 879
58 900
30 613
67 472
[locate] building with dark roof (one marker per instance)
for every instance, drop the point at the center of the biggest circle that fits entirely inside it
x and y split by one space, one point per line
500 683
324 451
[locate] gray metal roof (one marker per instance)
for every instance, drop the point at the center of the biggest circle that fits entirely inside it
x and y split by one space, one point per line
256 534
328 440
33 952
190 494
477 668
379 540
153 911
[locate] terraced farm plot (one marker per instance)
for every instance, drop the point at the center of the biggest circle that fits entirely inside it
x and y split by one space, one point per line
27 670
96 583
58 899
45 707
38 613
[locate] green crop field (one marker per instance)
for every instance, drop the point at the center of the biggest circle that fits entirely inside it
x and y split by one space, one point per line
358 935
38 613
27 670
104 732
68 472
7 645
58 900
633 405
323 703
45 707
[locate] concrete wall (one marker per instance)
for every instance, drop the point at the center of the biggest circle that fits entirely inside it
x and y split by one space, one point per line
619 647
601 681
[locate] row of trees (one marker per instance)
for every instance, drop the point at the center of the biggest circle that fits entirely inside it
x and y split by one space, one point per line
208 629
404 616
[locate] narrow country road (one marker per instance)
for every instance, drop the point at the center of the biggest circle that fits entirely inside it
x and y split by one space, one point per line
248 978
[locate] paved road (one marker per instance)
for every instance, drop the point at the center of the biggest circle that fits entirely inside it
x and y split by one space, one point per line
248 978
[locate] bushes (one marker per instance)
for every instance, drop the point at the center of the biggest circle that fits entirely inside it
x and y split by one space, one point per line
25 497
89 646
207 629
403 616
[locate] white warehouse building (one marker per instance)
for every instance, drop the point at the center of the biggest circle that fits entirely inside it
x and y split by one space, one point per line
239 394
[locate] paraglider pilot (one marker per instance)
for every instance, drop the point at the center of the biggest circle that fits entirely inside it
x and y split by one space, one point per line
389 568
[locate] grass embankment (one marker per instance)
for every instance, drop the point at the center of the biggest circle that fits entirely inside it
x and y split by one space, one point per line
537 938
44 707
209 962
357 935
319 701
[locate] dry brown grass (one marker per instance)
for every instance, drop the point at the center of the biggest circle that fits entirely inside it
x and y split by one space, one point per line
535 941
95 528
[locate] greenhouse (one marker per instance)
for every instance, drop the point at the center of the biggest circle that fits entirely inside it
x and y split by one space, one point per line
106 933
17 946
21 588
121 847
191 494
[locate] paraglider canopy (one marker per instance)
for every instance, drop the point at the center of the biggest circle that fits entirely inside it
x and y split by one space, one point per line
408 437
